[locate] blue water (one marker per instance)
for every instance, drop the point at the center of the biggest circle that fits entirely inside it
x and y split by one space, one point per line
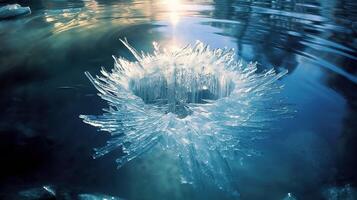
43 90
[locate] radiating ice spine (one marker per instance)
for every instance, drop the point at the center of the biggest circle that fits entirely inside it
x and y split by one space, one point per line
202 105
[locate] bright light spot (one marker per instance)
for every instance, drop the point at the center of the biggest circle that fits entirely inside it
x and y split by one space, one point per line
58 24
91 4
66 14
173 8
49 19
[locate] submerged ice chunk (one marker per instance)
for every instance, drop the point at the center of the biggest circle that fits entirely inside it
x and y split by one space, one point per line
13 10
201 105
44 192
289 196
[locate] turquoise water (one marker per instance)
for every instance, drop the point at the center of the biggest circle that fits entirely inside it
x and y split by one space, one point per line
43 89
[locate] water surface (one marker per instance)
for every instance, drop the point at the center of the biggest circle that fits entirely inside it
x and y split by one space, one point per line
43 90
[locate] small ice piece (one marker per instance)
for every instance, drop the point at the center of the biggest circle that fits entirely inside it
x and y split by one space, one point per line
44 192
97 197
13 10
200 105
289 196
49 189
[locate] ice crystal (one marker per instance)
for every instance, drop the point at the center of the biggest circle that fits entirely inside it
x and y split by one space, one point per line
199 104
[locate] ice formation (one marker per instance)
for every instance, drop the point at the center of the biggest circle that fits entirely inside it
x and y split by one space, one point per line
198 104
13 10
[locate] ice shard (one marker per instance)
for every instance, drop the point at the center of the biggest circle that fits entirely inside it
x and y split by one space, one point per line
199 104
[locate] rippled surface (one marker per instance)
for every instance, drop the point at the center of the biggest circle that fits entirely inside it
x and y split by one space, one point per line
43 90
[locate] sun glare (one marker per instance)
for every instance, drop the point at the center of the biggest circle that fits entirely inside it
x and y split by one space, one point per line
173 8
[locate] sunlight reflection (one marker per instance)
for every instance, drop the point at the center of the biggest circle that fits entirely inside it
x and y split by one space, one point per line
69 18
174 8
91 4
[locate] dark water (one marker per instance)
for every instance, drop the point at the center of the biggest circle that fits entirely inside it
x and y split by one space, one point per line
43 90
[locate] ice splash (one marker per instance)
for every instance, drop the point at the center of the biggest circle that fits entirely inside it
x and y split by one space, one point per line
199 104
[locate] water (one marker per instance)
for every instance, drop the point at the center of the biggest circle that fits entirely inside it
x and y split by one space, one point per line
43 89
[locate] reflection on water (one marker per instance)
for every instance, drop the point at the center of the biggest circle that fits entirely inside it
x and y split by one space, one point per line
43 90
